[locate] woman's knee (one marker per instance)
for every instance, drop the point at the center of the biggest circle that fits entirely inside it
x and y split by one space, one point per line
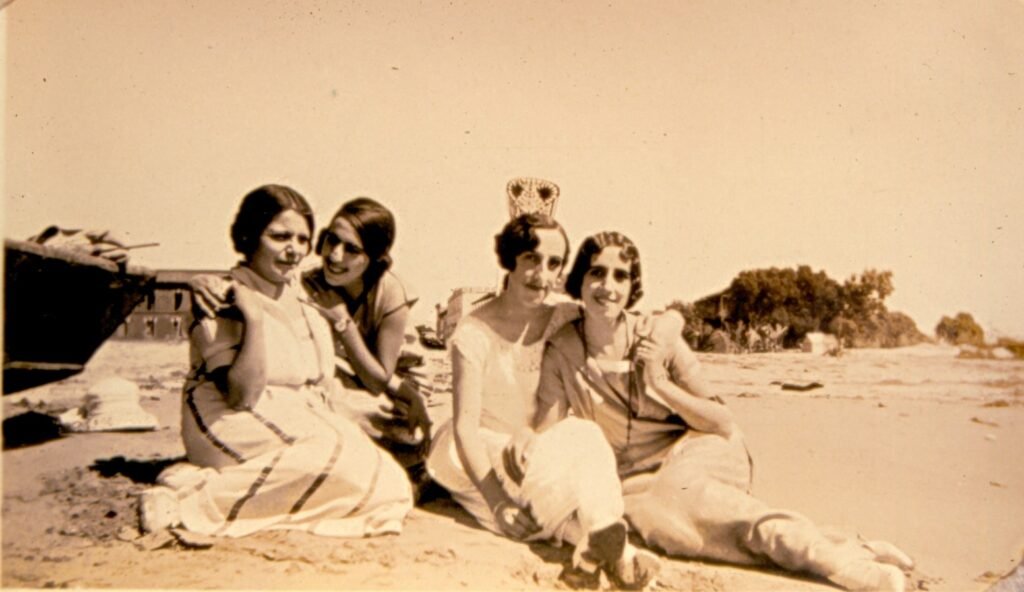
582 431
665 527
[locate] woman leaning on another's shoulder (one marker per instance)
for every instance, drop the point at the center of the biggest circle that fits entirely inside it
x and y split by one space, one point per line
265 449
685 471
368 308
562 484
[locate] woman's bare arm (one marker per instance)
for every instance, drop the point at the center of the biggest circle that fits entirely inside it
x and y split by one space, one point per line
692 400
247 376
467 382
376 368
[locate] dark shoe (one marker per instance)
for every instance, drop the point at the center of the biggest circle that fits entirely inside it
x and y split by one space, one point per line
605 546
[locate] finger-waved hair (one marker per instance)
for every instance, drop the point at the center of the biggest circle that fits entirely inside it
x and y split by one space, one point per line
259 208
592 247
520 236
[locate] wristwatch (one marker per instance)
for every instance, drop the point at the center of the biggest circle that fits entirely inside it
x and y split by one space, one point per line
343 324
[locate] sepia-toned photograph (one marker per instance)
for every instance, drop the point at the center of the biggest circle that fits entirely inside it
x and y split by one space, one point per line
526 295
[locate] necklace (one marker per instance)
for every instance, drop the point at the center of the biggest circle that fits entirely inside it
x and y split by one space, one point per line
632 381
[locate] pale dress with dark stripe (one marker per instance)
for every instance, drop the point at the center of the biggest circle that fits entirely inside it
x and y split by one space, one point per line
292 462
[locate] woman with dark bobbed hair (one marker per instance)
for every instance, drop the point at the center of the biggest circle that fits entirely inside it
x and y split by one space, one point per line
265 450
684 466
565 485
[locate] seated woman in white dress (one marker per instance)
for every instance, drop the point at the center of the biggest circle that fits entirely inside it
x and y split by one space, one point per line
684 465
368 306
569 489
265 450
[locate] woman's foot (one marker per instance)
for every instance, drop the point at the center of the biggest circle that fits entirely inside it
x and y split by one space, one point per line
635 569
864 574
886 552
627 567
158 509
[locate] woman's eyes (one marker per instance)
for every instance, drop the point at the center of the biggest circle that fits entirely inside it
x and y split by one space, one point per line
333 240
534 258
619 275
287 236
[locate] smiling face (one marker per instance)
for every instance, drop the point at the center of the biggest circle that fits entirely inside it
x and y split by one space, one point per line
345 260
606 285
537 271
283 244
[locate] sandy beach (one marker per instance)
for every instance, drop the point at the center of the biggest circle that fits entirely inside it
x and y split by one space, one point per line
914 446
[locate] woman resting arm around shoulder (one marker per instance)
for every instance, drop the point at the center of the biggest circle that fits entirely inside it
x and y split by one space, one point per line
671 371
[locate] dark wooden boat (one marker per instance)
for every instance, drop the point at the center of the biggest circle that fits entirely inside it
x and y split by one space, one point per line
60 305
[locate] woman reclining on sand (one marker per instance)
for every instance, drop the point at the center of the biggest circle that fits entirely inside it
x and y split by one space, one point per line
571 491
368 306
266 450
684 466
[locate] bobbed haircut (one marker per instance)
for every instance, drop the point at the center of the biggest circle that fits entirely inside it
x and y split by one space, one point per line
259 208
520 236
591 247
375 225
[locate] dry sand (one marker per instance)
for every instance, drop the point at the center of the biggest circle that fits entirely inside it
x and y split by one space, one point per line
913 446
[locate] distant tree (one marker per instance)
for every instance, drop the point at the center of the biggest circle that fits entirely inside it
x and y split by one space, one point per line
901 331
803 300
863 295
959 330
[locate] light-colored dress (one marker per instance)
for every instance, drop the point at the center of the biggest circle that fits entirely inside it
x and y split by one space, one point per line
570 474
686 492
290 462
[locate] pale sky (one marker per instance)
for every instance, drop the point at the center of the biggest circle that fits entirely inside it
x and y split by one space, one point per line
720 136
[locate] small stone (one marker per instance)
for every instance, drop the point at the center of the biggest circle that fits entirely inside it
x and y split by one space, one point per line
192 540
127 534
155 540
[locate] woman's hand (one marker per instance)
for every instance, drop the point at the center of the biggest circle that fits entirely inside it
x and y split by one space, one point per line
421 381
515 521
410 407
516 454
650 355
210 293
337 315
245 299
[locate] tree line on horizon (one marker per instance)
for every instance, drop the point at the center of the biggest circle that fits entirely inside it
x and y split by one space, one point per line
783 305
